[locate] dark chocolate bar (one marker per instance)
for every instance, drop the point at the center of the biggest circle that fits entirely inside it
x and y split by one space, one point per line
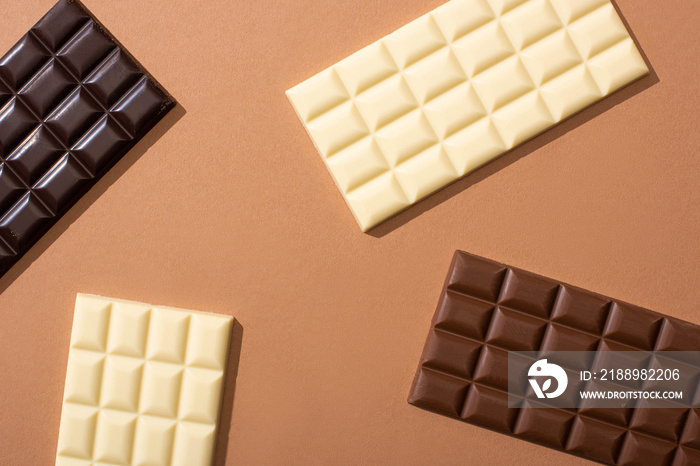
72 103
488 309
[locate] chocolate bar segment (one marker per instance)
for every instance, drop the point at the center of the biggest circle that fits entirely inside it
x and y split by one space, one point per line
488 309
72 103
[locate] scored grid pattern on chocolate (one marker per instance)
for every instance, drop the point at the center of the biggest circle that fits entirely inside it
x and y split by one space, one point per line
488 309
143 384
456 88
72 102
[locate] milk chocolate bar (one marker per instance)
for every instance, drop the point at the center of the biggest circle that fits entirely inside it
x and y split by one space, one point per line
488 309
455 89
143 384
72 103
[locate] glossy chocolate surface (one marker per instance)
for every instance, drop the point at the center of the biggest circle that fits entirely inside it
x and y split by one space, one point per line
487 309
72 103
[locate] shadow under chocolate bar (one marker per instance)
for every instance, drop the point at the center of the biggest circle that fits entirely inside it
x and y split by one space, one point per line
72 103
488 309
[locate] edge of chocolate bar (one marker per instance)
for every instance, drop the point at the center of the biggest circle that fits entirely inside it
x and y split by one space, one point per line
172 101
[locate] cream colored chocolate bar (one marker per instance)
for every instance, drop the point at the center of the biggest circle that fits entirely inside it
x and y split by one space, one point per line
455 89
143 385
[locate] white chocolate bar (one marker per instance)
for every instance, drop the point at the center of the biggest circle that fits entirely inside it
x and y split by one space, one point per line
143 386
455 89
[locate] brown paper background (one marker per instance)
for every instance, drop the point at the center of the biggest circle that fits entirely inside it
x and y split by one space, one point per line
226 207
